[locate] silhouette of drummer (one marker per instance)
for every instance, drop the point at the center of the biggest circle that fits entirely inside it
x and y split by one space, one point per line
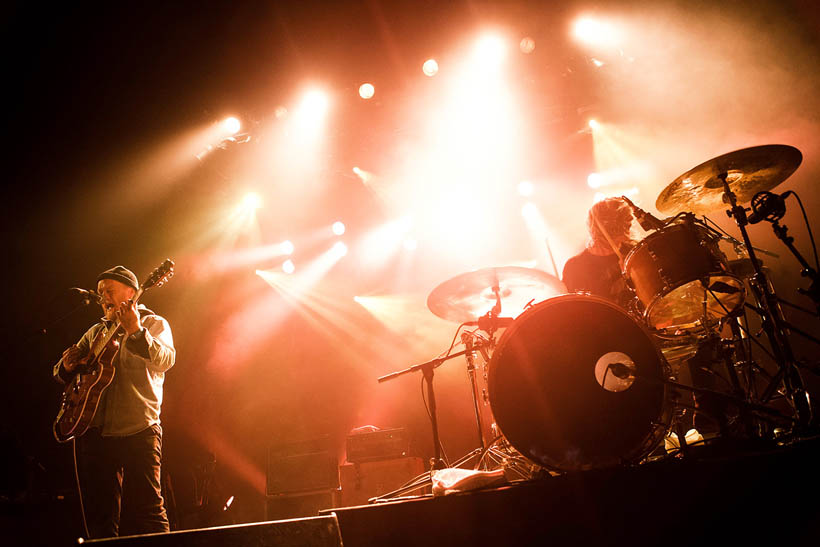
597 269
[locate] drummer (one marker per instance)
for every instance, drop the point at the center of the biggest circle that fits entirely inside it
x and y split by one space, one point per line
597 269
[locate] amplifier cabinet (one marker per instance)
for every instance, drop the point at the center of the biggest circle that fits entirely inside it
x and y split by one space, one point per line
362 481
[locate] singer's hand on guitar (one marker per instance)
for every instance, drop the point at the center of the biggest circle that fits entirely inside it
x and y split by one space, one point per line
129 317
71 358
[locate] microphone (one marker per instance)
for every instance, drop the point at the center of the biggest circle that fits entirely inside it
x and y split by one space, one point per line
622 371
490 323
768 206
88 296
648 221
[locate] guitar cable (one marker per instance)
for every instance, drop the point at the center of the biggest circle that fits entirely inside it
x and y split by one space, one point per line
79 488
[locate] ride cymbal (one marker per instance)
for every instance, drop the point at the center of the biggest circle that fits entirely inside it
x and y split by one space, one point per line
748 171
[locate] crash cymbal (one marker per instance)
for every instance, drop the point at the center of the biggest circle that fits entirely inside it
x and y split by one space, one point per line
749 171
470 295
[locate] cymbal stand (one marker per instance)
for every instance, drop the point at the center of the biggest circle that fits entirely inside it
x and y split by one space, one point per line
773 320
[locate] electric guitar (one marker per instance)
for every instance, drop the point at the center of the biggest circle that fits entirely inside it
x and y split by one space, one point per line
95 372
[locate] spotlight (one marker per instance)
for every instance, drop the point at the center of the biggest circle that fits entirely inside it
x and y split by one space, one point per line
597 62
526 45
490 49
595 180
593 124
430 67
525 188
529 210
366 91
231 125
287 247
251 202
288 266
595 31
339 248
338 228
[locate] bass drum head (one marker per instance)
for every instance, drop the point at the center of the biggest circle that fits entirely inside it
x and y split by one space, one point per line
576 383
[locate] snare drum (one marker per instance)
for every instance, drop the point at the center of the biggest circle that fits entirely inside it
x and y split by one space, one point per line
682 280
577 383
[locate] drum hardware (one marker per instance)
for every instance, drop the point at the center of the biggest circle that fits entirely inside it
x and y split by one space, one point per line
467 296
732 179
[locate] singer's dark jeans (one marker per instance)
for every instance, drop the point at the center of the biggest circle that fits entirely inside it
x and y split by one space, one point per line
122 472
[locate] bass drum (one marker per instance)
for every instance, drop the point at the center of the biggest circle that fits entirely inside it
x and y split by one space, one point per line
575 383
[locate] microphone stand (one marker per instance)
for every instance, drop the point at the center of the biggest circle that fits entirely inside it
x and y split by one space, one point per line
773 320
427 370
813 291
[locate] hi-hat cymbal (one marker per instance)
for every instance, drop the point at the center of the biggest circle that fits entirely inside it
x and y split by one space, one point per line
748 171
470 295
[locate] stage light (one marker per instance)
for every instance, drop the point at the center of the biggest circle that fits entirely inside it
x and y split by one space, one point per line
231 125
430 67
529 210
595 31
490 49
339 249
597 62
593 124
594 180
288 266
366 91
338 228
526 45
287 247
251 202
312 109
525 188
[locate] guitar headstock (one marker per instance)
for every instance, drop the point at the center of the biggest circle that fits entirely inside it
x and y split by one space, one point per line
160 275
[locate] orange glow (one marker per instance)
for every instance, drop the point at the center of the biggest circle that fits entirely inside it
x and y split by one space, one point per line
595 31
366 91
527 45
338 228
430 67
231 125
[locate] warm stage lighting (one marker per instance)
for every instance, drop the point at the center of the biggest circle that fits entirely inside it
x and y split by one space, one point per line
312 109
490 49
526 188
410 244
594 180
288 267
597 62
529 210
593 124
527 45
251 202
287 247
339 249
338 228
594 31
366 91
231 125
430 67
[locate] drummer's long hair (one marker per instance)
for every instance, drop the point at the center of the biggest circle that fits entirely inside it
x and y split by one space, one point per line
616 217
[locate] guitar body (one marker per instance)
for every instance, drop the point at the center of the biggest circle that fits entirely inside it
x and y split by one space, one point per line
82 394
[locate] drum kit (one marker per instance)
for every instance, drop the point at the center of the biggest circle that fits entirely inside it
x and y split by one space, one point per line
576 382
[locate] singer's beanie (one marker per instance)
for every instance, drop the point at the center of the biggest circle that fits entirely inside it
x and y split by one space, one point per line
121 274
